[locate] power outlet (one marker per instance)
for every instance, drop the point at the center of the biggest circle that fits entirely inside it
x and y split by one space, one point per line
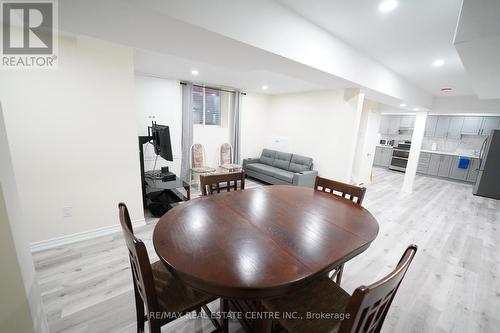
67 212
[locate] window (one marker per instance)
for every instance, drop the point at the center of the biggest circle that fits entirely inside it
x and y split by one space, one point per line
206 106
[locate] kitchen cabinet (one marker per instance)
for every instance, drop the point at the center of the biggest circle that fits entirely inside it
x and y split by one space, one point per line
434 161
473 170
455 129
472 125
456 172
382 156
488 124
444 165
442 127
394 124
430 125
384 125
407 122
423 162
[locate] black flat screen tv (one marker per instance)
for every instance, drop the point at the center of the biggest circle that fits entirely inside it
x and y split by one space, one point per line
161 141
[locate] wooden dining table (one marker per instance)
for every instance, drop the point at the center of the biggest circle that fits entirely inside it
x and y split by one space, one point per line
261 242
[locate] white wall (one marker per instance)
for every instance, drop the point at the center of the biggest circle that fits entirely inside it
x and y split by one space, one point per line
255 117
321 124
73 138
159 100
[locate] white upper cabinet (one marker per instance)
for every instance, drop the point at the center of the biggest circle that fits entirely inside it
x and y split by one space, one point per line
472 125
489 124
407 122
430 125
455 128
394 124
442 127
384 124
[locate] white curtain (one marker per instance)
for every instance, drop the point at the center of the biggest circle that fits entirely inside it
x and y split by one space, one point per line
187 128
236 127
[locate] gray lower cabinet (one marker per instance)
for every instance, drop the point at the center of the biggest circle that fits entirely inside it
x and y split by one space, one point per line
434 161
444 165
473 170
382 156
456 172
423 162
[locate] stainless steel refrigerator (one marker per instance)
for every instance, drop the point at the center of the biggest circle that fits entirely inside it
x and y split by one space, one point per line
488 179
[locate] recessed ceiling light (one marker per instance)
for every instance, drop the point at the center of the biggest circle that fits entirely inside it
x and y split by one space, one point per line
194 72
438 63
387 6
264 87
416 109
402 105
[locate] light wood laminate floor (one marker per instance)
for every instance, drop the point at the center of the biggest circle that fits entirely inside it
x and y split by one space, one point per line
452 286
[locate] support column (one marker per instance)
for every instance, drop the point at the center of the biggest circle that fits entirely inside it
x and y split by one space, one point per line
353 102
416 145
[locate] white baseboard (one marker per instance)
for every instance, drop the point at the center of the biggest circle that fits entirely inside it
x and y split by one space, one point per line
80 236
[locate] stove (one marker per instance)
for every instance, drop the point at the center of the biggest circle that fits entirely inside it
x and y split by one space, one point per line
400 155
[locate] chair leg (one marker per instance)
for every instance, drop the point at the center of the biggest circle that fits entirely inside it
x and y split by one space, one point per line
154 326
224 309
339 274
139 310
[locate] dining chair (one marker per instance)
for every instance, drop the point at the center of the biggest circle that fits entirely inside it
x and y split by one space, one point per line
159 297
348 191
211 183
226 159
363 312
198 162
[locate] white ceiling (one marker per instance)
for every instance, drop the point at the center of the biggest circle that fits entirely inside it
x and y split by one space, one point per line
478 44
242 77
406 40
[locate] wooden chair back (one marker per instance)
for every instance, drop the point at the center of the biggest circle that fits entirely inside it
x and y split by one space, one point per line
211 183
369 305
142 275
355 193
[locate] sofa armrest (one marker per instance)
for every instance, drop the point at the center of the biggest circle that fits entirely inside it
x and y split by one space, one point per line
247 161
305 178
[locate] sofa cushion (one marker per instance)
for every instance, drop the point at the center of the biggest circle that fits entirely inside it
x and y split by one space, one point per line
271 171
267 156
300 163
282 160
285 175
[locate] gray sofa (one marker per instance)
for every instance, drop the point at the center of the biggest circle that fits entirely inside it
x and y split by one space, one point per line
275 167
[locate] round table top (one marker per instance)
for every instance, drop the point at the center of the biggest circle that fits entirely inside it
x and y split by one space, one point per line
261 242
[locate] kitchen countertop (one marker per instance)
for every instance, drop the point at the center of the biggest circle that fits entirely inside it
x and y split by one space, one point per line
448 153
436 152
